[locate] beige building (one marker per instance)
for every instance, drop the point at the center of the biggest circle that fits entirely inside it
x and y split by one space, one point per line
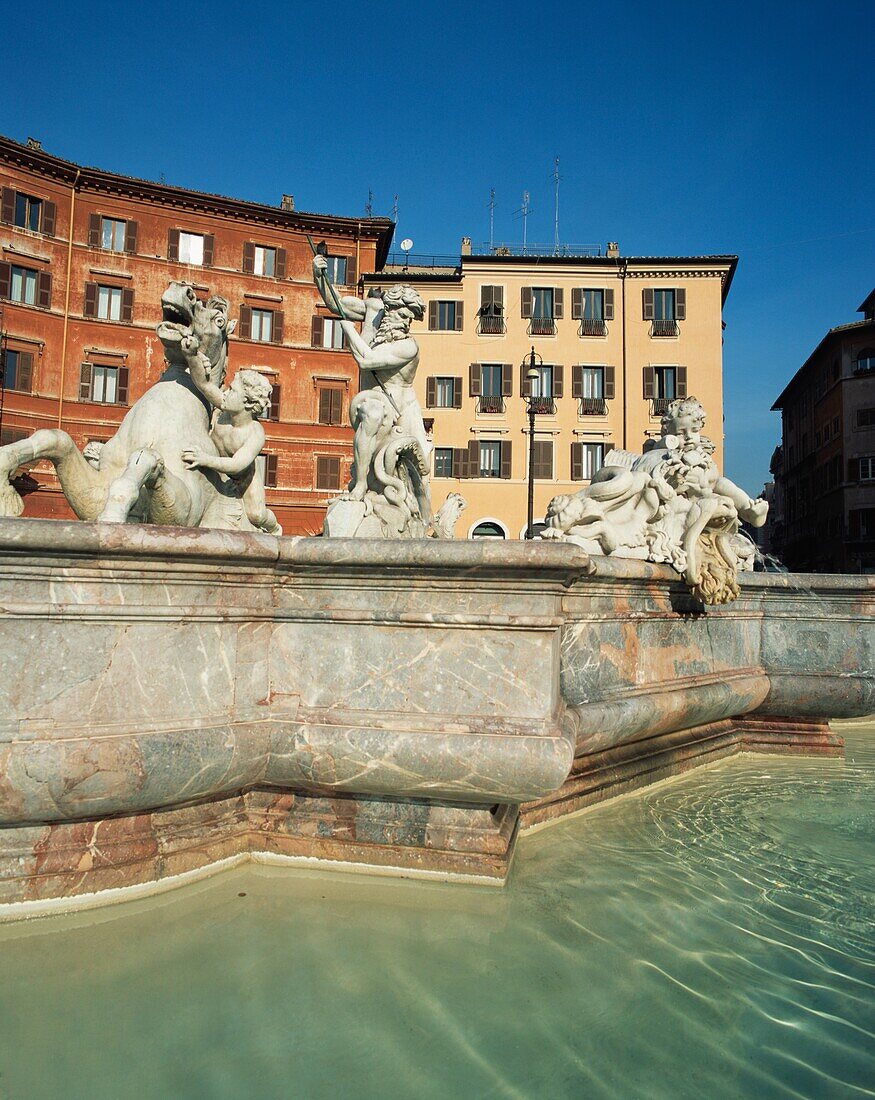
615 339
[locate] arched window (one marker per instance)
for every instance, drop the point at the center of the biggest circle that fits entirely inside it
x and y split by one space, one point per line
488 529
538 526
866 360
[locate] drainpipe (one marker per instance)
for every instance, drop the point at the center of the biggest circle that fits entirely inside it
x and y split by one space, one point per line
67 299
358 252
623 271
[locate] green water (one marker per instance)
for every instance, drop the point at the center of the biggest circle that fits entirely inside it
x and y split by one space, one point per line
710 938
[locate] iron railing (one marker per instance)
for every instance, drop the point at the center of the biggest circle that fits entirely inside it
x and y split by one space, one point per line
664 328
589 326
542 326
489 403
593 406
503 249
543 406
490 324
659 406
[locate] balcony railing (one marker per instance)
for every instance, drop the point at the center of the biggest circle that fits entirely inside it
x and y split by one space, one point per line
542 326
664 328
659 405
543 406
490 324
589 326
593 406
490 404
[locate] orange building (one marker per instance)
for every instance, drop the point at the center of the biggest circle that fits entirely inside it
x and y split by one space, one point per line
85 256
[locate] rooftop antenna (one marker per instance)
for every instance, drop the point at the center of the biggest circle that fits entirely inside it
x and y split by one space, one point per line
525 210
395 215
556 179
369 206
491 218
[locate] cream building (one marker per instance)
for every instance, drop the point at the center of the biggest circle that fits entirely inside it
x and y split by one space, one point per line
615 339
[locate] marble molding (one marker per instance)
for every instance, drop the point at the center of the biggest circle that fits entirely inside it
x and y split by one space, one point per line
172 697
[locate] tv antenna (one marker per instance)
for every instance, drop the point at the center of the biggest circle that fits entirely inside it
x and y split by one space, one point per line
369 207
524 212
491 217
556 179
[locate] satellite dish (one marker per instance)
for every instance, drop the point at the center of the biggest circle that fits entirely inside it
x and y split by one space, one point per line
406 244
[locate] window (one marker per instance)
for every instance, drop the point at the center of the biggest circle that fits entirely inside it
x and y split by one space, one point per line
592 382
103 383
490 458
261 325
109 303
865 361
445 393
542 460
664 308
663 305
273 413
330 405
191 249
586 459
491 376
332 334
666 382
443 462
112 234
663 385
18 370
337 269
542 303
264 262
865 417
327 472
491 310
862 523
264 325
488 530
867 468
592 308
28 212
542 386
445 316
23 285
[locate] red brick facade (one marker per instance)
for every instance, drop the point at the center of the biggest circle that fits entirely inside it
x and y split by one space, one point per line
79 318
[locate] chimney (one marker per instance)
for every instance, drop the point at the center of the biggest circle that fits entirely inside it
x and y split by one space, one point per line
33 143
466 246
613 250
288 202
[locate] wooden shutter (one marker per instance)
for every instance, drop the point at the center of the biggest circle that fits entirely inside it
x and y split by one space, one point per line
44 290
577 462
576 303
853 469
525 385
649 382
648 303
507 379
248 258
24 377
526 301
127 305
430 392
460 314
5 279
558 303
610 383
90 309
270 470
274 412
457 393
486 299
460 460
542 460
432 316
276 328
506 449
473 459
351 273
49 214
337 409
209 249
324 406
8 206
558 380
85 382
245 323
94 231
131 234
577 380
317 331
680 304
173 244
280 263
475 379
123 377
608 304
681 382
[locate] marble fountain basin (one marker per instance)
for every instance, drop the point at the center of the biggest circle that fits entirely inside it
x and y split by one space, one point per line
174 700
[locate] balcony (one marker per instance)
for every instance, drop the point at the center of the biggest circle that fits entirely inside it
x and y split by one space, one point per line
659 405
592 327
664 328
593 406
542 326
490 404
490 324
543 406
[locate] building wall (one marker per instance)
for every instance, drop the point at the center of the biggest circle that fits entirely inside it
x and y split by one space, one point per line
61 337
628 346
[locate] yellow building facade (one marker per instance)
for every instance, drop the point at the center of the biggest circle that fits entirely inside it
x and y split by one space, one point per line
615 339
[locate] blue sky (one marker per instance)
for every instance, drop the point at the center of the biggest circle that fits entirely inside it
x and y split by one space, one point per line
683 128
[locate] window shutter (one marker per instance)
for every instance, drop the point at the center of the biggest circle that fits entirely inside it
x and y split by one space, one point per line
173 244
576 303
276 329
610 384
460 462
680 304
44 290
608 304
473 460
525 385
475 379
558 302
248 258
270 470
127 305
274 413
648 303
131 234
123 376
324 406
507 379
337 411
281 263
24 380
577 381
351 273
90 309
5 279
649 382
245 323
460 314
457 393
49 214
681 380
486 299
432 316
430 392
505 458
526 301
316 331
853 469
8 206
93 230
85 382
577 462
558 380
209 249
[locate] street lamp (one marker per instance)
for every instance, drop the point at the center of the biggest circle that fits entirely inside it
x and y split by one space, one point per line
532 375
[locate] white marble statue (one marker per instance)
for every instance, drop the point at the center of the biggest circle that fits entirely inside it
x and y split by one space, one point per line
670 504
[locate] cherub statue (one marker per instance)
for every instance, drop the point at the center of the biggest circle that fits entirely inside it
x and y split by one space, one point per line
239 439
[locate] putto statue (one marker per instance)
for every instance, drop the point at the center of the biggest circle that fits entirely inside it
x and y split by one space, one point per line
670 504
389 494
141 474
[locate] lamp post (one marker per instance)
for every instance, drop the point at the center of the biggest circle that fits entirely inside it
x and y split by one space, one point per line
531 377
